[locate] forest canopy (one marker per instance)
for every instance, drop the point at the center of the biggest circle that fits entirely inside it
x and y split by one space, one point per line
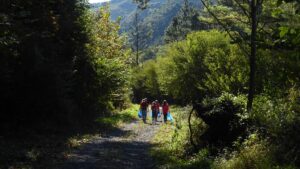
61 64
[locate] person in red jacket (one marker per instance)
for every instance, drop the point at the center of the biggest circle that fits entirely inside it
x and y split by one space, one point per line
165 110
143 107
154 112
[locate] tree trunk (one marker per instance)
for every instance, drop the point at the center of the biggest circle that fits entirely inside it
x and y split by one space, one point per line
252 55
137 37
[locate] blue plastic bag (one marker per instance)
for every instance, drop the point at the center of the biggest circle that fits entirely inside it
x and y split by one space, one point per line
159 114
169 117
140 114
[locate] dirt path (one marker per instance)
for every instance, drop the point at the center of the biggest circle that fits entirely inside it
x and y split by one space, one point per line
126 148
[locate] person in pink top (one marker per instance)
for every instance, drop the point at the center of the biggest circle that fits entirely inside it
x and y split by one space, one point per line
143 108
165 110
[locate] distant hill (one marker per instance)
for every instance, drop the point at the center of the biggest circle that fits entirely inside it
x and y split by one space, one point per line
119 8
158 15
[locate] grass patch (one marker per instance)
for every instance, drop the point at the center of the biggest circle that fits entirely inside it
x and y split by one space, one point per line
119 118
173 145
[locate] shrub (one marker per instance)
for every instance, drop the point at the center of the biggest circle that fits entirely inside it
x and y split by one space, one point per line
225 117
205 64
253 153
279 121
145 82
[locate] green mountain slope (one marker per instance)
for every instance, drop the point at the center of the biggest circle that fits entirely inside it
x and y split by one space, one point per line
157 16
119 8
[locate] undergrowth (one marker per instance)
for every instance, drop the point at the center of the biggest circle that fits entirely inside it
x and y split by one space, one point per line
173 150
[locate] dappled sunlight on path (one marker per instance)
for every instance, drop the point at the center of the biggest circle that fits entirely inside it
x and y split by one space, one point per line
126 147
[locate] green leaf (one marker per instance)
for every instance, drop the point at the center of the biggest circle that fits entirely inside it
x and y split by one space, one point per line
277 12
283 31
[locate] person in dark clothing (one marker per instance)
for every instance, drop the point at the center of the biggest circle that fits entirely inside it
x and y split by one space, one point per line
165 110
154 112
143 107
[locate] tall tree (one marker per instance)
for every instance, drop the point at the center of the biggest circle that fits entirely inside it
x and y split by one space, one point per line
254 25
139 32
46 72
137 36
247 13
111 60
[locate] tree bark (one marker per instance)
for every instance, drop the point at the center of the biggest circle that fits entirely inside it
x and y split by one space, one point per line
251 91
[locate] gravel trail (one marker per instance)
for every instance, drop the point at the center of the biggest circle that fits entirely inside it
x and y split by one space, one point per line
124 148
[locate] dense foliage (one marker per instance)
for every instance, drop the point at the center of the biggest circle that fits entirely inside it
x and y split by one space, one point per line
203 65
211 71
60 65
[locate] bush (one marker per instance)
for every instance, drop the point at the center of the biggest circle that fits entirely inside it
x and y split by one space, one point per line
279 121
145 82
205 64
225 117
253 153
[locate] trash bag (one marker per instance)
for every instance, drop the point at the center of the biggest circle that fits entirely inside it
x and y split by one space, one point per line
159 114
169 117
140 114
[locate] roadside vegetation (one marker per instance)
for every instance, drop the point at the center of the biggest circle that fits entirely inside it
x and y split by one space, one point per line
173 149
119 118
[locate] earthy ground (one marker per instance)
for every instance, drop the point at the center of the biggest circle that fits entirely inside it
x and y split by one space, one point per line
125 148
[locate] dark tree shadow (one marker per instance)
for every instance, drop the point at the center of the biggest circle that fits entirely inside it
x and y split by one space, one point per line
111 154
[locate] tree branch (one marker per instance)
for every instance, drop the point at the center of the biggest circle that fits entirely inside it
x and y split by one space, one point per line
224 27
246 12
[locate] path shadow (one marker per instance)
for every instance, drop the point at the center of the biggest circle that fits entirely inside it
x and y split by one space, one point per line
111 154
45 148
116 132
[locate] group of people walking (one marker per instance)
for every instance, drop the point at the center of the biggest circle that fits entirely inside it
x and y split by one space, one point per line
155 108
